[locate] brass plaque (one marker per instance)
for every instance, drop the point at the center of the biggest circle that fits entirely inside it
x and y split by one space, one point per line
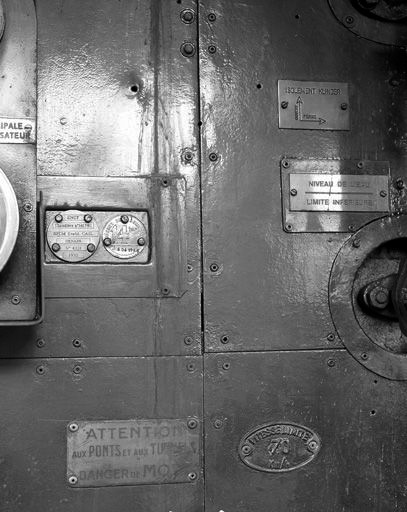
15 130
132 452
279 447
339 192
313 105
125 236
72 235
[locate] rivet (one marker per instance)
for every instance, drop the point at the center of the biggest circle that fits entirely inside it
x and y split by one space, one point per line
191 367
344 106
246 450
192 423
214 267
58 218
360 165
188 340
192 476
187 16
218 423
77 369
356 243
40 342
107 241
188 156
76 342
399 183
40 369
91 247
55 247
226 366
224 339
63 120
351 228
285 164
188 49
331 336
383 193
124 219
165 182
284 104
87 218
73 480
141 241
364 356
134 88
212 48
15 299
165 291
293 192
190 268
212 17
73 427
213 157
349 20
331 363
28 207
288 227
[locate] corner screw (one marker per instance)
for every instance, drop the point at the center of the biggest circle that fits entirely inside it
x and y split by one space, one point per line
383 193
55 247
218 423
212 48
246 450
331 363
91 248
192 423
192 476
344 106
165 291
293 192
213 157
107 242
58 218
187 16
73 480
40 342
15 299
284 104
331 336
76 343
212 17
288 227
28 207
73 427
124 219
187 49
285 164
87 218
141 241
224 339
188 340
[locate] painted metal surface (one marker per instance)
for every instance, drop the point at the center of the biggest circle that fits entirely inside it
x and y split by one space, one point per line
49 393
268 289
358 416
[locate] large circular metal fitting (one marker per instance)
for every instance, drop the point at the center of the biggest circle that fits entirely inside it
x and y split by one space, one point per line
381 21
367 259
9 219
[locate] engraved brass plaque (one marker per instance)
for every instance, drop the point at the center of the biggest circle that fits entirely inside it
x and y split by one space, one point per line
279 447
132 452
72 235
313 105
125 236
339 192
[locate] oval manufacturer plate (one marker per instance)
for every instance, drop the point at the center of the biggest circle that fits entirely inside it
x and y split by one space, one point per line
279 447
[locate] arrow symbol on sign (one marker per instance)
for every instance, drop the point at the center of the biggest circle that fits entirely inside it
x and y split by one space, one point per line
310 118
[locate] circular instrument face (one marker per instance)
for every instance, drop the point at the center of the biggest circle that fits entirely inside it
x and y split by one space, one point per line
9 219
73 236
125 236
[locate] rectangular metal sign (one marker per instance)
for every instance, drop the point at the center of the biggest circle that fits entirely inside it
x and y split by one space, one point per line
339 192
313 105
131 452
15 130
